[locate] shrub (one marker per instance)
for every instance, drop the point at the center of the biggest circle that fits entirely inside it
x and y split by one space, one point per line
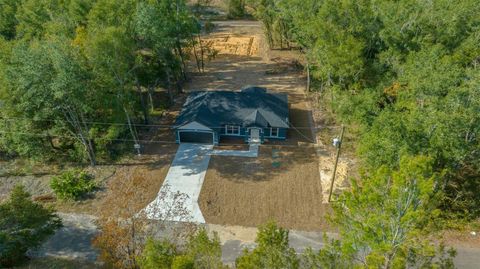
24 224
183 262
158 255
201 251
272 250
72 184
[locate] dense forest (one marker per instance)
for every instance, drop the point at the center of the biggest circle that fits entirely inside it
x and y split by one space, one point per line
404 74
76 75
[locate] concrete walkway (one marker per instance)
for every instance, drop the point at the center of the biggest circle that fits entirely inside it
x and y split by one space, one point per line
185 177
251 153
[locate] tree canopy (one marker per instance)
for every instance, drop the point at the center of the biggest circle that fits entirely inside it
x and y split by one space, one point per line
405 72
74 73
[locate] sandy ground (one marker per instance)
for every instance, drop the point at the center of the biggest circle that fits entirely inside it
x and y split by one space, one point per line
282 184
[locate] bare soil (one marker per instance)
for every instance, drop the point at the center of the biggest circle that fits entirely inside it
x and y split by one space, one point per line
283 183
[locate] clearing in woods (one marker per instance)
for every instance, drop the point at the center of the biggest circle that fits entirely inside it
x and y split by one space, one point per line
283 183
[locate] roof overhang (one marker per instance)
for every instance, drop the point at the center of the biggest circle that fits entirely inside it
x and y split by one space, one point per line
194 125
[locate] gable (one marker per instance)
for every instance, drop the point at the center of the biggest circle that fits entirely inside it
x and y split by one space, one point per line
194 126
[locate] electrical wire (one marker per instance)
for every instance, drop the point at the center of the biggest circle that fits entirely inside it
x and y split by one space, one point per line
138 141
159 126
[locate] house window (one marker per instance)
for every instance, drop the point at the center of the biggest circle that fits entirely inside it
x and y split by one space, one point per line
232 130
274 132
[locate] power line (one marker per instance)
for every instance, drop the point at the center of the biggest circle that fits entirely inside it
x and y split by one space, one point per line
138 124
140 141
71 137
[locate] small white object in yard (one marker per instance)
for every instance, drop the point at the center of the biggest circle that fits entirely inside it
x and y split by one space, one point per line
336 142
473 233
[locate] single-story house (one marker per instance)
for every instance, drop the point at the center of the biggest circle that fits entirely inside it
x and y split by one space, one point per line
253 114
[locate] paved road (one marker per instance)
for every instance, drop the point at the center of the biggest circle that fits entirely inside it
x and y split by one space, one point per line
73 241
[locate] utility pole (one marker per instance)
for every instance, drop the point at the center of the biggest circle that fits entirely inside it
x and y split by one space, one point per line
136 146
338 144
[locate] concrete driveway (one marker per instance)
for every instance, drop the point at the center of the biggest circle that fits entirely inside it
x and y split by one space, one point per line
182 185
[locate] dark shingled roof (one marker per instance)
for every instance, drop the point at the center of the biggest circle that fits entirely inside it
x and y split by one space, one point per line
252 106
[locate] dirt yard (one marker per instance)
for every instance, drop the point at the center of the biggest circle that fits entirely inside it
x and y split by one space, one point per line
283 183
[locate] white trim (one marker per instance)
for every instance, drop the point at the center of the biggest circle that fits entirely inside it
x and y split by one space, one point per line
232 133
278 132
194 126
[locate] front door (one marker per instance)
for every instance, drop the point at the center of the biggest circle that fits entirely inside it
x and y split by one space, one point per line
255 136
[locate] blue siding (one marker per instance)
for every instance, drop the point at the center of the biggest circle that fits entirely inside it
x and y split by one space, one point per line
222 132
282 134
244 132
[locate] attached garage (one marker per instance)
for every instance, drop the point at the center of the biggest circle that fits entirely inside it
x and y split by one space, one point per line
195 137
195 132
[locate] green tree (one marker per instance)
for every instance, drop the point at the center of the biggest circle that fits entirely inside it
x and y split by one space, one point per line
272 250
236 8
200 252
24 225
402 73
74 72
158 254
204 251
383 219
8 22
46 97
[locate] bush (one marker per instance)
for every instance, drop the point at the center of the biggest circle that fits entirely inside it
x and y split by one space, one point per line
200 252
158 255
72 185
24 225
272 250
183 262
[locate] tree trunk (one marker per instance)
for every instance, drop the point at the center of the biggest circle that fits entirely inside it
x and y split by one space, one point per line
150 98
182 58
169 87
142 103
80 131
308 77
196 56
202 56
